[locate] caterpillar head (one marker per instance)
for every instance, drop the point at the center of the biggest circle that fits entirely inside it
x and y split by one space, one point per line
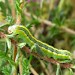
11 29
66 52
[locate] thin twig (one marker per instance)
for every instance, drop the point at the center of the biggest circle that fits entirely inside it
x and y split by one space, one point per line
51 60
50 69
12 8
20 64
2 35
44 67
33 70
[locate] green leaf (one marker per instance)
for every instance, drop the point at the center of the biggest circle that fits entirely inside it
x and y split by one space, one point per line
18 6
25 64
58 69
6 69
2 6
8 43
71 72
21 45
6 57
4 25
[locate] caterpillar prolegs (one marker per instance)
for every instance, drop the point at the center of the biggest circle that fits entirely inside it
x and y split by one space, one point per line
45 49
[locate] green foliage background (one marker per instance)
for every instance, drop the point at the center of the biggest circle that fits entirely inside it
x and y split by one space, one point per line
33 14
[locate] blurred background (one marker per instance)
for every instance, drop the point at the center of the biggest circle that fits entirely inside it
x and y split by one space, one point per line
51 21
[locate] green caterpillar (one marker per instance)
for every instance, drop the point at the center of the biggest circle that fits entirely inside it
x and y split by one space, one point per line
44 49
41 43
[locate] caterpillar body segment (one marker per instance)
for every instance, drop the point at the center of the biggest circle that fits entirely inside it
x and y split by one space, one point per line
49 54
43 48
23 36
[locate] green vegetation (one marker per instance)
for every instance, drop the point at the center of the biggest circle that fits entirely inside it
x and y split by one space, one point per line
50 21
